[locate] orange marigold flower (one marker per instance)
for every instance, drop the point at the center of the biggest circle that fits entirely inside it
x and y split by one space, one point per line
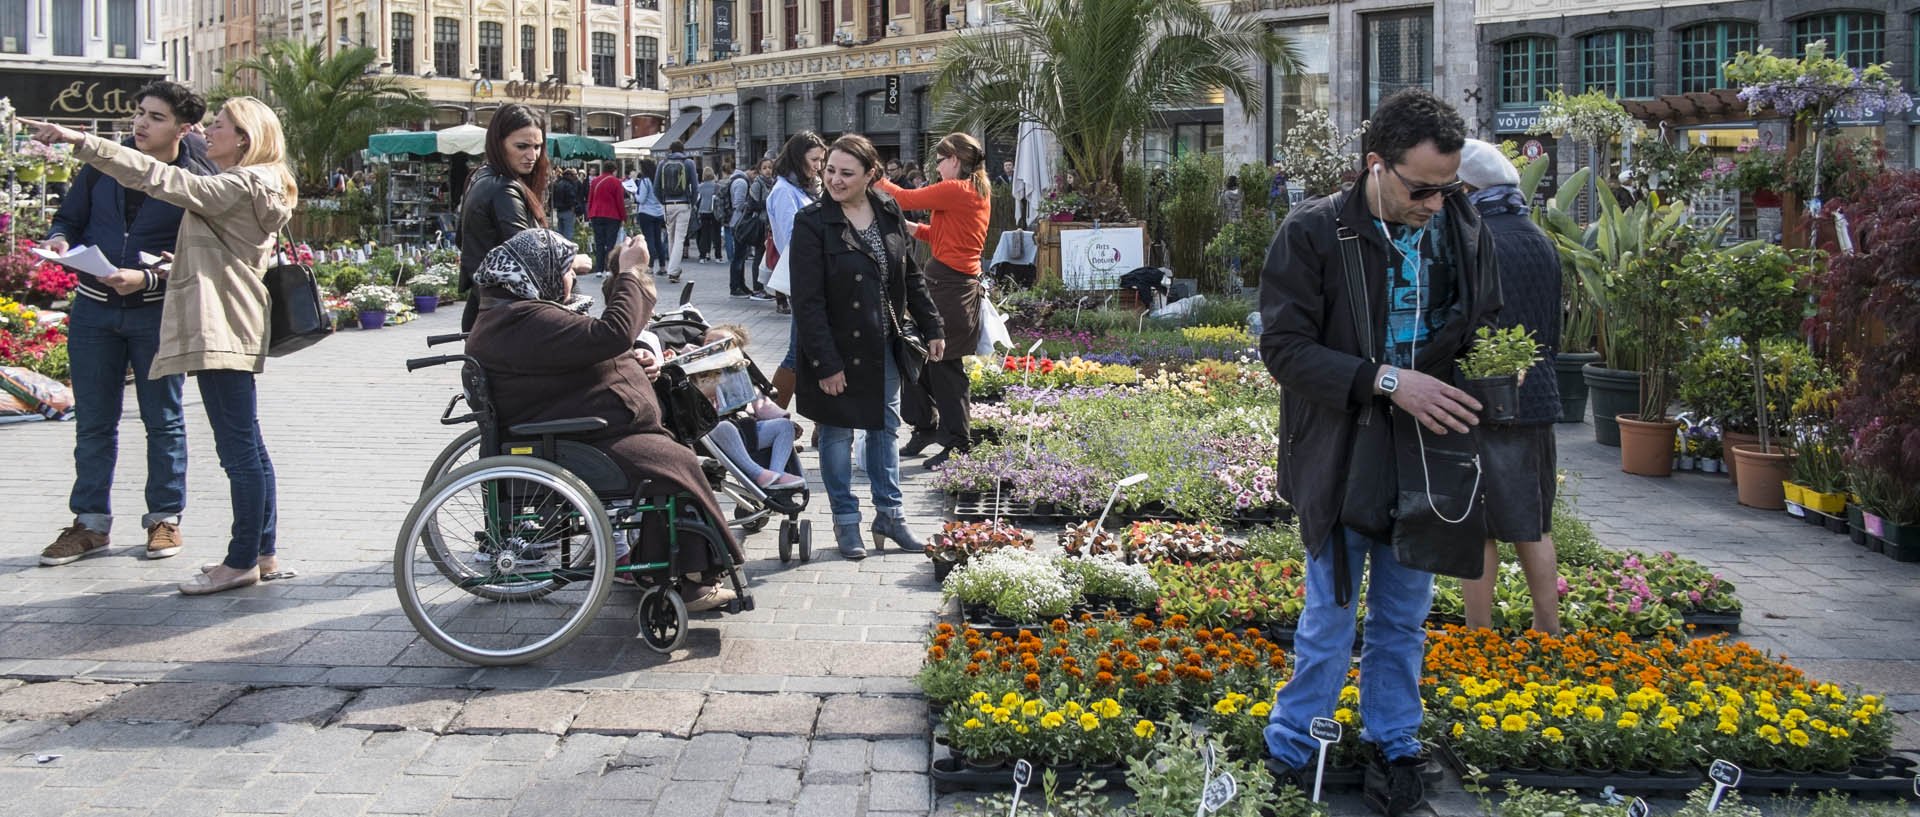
981 656
1141 679
1103 679
1032 681
1176 620
1006 666
973 669
1142 622
1162 676
937 653
943 627
1058 625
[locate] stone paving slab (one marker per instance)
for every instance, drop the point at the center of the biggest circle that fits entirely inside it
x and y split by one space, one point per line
630 712
499 712
186 702
393 708
308 705
58 700
759 714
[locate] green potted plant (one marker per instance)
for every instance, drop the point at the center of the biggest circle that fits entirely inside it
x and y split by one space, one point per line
373 302
1578 312
1494 367
427 288
1644 300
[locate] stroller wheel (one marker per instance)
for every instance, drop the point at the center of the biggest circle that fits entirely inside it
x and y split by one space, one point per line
662 619
750 527
787 536
806 540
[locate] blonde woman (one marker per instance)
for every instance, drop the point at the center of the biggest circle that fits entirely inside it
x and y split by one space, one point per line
214 322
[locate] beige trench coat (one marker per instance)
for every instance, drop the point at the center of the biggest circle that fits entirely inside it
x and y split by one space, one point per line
215 313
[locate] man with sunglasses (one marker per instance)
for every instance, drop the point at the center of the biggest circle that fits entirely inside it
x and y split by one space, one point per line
1349 353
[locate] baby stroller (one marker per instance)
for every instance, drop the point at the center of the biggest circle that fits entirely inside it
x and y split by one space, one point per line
691 416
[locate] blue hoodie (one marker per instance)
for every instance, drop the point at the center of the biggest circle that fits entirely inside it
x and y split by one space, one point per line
94 213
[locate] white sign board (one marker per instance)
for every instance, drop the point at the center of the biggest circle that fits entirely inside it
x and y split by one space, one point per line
1096 258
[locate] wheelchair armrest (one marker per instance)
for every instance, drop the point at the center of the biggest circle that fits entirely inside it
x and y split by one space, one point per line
575 425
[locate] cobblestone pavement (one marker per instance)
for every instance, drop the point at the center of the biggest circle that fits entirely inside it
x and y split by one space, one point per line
315 696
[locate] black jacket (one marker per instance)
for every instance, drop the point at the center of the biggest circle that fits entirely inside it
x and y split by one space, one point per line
1310 344
566 196
94 213
1530 297
837 309
494 210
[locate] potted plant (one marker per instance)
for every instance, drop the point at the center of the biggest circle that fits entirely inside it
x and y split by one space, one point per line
426 288
1710 451
957 542
1645 300
1495 366
1818 469
372 302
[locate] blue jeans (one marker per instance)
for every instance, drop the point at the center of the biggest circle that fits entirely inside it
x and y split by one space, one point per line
1398 600
726 242
883 459
564 224
605 231
651 227
233 410
102 341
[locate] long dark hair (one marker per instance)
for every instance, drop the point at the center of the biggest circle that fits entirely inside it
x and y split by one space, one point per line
792 162
509 118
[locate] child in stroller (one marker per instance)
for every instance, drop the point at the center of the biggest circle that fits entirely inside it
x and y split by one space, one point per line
765 461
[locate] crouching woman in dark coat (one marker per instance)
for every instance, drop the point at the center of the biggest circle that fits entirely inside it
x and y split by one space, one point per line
547 360
856 292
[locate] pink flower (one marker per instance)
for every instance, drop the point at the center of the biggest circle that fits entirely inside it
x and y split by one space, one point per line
1635 605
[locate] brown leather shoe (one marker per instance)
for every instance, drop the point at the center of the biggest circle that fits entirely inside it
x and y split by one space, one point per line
163 540
74 543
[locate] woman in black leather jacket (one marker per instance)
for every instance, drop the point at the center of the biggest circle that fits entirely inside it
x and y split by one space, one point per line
504 196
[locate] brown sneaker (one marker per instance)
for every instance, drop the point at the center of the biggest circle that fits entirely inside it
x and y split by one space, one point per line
72 545
163 540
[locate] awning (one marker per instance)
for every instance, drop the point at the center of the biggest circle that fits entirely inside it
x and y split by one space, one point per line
703 138
676 130
636 147
1696 108
469 139
574 146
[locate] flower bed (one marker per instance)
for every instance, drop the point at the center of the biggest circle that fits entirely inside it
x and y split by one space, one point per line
1011 586
30 343
989 377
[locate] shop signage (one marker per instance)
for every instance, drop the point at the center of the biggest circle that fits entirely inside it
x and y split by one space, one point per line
1252 6
544 91
723 26
65 95
1533 149
892 105
1096 258
1516 121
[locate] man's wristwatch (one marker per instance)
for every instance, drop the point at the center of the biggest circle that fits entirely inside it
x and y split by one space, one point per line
1389 380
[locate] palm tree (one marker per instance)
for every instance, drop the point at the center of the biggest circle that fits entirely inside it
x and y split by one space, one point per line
1096 72
328 106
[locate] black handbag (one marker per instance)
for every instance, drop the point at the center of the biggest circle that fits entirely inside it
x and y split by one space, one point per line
909 348
1367 500
296 313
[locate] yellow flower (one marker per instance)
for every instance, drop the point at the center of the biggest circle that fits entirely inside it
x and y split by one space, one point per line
1020 728
1107 708
1459 702
1552 733
1001 714
1837 733
1728 728
1010 700
1030 709
978 698
1628 719
1487 722
1052 720
1226 706
1089 722
1260 710
1513 723
1798 738
1594 713
1344 715
1073 709
1769 732
1143 729
1459 729
972 723
1349 695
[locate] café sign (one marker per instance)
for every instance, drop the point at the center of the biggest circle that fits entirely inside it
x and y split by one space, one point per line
544 91
65 95
1521 120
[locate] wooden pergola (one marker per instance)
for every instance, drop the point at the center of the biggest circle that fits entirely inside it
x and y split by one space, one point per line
1724 106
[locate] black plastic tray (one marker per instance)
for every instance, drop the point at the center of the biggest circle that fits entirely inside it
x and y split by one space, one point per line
1897 781
951 775
970 506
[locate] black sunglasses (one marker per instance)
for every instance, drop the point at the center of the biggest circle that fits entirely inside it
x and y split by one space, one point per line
1426 191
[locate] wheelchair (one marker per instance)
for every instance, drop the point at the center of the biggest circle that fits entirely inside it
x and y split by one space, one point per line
506 558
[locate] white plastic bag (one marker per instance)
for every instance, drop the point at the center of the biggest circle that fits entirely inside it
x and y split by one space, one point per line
993 328
781 280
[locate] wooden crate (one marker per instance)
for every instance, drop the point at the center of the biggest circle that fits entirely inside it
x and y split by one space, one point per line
1046 236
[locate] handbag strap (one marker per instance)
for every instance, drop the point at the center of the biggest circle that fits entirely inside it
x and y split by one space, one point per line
1354 271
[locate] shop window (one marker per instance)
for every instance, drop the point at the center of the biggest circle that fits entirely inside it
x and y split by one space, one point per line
402 44
1705 50
1858 37
1290 95
1399 53
446 47
1618 63
1528 70
493 51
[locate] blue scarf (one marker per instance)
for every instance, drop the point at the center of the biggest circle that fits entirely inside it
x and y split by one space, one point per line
1500 198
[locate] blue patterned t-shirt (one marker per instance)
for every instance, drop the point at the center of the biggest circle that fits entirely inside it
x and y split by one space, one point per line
1408 290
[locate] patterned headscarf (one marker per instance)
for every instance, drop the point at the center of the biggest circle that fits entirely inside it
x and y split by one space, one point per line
532 266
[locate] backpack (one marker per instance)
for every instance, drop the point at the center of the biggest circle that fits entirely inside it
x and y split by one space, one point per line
673 180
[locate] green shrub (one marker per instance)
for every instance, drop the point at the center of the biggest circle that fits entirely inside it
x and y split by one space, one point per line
1192 213
347 280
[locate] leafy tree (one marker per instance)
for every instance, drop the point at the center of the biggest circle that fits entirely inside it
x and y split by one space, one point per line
328 106
1096 72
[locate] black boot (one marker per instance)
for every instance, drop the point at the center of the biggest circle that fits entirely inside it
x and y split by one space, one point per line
916 443
940 458
1394 787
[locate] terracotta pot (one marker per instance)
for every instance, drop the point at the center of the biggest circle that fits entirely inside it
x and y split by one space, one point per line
1729 439
1647 448
1765 471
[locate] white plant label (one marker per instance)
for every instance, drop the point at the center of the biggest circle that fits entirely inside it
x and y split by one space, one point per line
1327 732
1637 808
1022 775
1217 794
1725 776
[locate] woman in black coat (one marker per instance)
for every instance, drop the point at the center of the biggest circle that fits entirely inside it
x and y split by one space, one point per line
856 291
504 196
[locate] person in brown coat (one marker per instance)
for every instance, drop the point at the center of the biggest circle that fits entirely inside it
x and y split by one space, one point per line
547 360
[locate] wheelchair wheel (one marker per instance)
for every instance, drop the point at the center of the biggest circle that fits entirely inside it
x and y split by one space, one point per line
464 449
755 526
805 538
662 619
504 560
788 535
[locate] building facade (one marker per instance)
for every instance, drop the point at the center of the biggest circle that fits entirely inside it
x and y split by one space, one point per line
79 61
590 65
1643 50
744 75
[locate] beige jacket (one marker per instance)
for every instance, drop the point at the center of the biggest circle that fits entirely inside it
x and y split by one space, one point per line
215 313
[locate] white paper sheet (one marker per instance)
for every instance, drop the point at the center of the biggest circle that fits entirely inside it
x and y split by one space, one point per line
81 259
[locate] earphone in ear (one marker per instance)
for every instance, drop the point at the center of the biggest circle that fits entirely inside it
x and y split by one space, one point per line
1376 168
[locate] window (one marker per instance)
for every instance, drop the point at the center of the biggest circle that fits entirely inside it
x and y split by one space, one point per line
691 32
446 46
402 43
1859 38
13 26
1527 71
1399 53
833 116
934 16
646 61
649 5
529 60
493 51
876 19
123 43
1308 90
1619 63
603 2
69 28
560 54
360 23
602 51
1705 50
823 31
790 22
756 25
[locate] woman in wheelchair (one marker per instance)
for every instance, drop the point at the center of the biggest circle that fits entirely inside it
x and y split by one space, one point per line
546 360
772 428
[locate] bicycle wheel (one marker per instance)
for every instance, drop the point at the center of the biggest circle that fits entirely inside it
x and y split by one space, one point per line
504 560
464 449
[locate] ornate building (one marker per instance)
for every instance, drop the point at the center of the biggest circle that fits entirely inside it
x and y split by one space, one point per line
78 61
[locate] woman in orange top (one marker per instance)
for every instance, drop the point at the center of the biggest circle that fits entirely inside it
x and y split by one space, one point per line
960 202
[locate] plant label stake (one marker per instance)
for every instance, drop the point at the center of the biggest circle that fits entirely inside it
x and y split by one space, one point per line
1637 808
1207 755
1022 775
1215 796
1327 732
1136 479
1725 776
